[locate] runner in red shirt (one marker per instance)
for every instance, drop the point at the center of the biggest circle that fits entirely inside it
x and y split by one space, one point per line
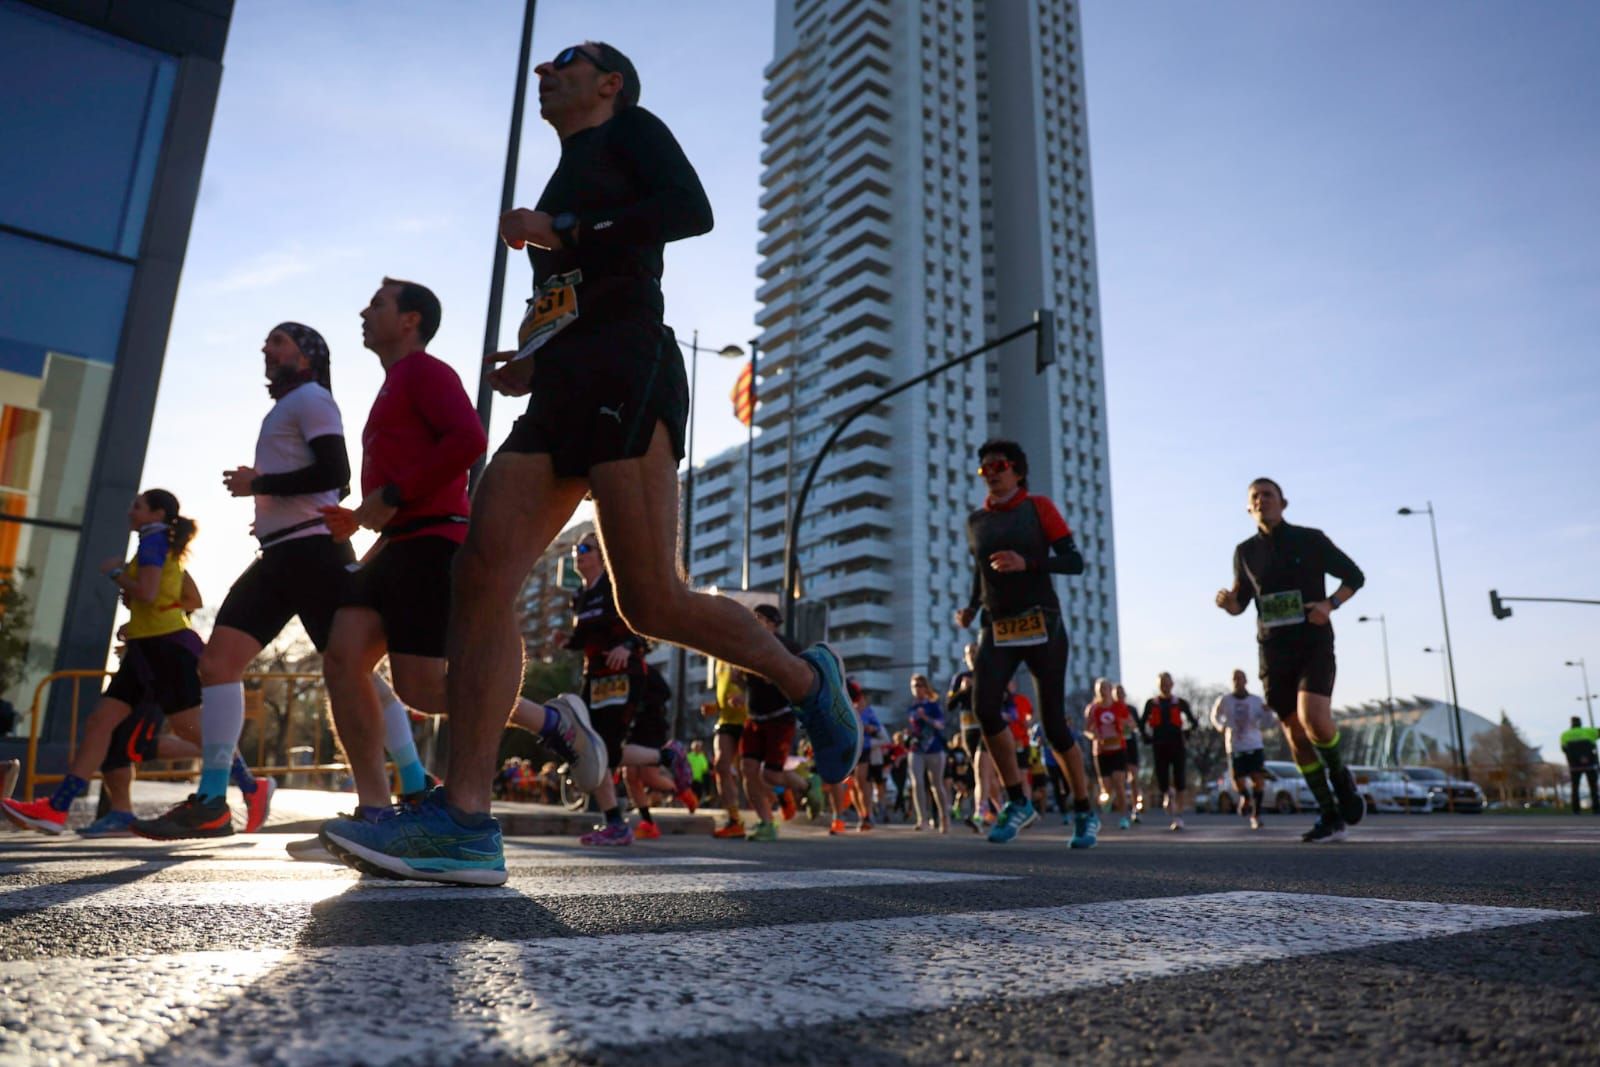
1106 721
421 438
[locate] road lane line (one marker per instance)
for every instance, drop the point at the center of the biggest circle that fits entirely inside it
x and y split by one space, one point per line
75 866
313 889
536 997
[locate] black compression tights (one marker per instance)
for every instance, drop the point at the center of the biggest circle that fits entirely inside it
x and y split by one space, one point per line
992 672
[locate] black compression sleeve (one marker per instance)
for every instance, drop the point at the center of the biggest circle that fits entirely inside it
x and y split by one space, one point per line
1342 566
330 469
1243 591
1065 558
977 586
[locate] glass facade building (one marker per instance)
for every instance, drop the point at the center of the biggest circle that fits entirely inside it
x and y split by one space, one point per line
107 108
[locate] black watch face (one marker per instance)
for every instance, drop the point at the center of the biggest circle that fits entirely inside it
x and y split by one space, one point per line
565 221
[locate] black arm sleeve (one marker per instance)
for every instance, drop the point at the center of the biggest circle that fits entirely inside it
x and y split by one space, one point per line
674 205
976 598
1189 714
1243 591
1341 566
330 469
1065 557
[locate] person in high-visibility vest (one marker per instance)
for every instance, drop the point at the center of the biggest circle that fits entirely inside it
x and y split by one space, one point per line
1581 745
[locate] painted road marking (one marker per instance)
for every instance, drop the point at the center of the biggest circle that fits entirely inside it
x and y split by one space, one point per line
313 890
536 997
75 865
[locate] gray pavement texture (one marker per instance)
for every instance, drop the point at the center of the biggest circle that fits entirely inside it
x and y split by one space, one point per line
1423 939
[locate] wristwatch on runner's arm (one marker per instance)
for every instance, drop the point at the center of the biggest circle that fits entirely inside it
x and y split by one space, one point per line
566 227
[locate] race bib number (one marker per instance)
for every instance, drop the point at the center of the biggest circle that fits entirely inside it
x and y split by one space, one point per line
551 309
1282 609
608 692
1016 631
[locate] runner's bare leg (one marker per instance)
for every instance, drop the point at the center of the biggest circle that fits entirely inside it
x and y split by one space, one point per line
519 508
636 509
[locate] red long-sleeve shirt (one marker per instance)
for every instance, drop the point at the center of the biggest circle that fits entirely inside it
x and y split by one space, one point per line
422 436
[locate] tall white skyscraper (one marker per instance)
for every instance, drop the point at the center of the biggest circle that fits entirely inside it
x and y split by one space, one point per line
926 187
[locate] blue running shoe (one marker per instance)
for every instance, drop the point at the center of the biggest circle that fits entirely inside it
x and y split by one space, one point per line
1014 818
111 824
420 841
1085 829
829 718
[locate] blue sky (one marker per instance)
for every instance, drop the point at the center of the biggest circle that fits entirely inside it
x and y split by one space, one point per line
1351 247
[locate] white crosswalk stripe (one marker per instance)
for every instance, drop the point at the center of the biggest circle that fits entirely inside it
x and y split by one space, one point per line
268 893
528 998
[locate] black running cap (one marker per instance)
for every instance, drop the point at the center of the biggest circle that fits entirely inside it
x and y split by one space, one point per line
768 612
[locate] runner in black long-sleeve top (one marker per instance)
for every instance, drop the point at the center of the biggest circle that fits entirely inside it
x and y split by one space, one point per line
606 417
1018 542
1283 568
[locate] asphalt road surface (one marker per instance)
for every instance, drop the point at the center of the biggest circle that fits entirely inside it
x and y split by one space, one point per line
1424 939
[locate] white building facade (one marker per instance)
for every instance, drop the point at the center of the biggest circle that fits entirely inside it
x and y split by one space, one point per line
926 188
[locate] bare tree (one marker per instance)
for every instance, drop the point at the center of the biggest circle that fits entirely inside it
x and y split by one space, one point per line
1502 760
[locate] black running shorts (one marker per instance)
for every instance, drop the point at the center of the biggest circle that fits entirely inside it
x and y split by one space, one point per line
598 391
1302 663
1112 762
1172 767
1247 763
650 727
160 671
304 577
135 739
1132 750
408 584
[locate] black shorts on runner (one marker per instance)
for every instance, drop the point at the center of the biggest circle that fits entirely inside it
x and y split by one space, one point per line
598 390
1111 762
731 730
1290 667
162 671
408 584
650 727
304 577
972 736
1172 767
1132 751
1247 763
135 739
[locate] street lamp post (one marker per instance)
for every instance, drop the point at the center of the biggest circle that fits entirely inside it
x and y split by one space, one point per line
1388 680
1587 696
1449 655
1444 670
681 668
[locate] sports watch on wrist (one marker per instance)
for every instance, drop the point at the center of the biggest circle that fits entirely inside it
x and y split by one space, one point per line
566 227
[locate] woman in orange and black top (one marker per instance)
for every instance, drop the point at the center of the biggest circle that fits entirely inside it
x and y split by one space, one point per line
1018 542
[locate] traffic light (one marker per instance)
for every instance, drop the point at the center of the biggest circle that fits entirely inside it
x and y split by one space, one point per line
1499 609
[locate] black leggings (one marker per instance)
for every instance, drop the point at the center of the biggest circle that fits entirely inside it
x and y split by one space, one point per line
992 672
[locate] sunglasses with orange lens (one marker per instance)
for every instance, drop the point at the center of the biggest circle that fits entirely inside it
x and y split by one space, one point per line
998 466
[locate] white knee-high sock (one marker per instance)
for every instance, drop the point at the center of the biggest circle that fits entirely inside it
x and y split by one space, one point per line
398 739
221 723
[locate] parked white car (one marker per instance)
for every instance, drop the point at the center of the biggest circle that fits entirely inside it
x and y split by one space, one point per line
1389 790
1444 788
1286 792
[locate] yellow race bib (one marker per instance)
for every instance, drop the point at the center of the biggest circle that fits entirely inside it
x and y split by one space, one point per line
551 309
1017 631
608 692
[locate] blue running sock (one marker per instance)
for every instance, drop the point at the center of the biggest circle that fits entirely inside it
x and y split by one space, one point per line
71 788
398 740
221 723
241 775
551 730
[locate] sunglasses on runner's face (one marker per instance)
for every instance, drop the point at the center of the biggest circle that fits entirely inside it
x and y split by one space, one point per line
582 550
996 466
569 56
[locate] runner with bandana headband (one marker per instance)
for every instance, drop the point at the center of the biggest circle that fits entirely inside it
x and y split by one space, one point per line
300 467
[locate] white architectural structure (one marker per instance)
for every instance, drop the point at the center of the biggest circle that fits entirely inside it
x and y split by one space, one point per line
926 188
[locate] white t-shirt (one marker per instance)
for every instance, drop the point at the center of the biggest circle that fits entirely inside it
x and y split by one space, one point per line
285 445
1242 718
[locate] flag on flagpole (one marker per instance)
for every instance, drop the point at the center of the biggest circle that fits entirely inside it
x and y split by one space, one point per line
744 395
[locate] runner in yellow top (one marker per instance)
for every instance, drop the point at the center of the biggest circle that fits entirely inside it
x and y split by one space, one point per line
732 711
159 667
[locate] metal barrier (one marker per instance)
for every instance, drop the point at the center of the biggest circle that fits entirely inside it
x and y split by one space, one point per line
255 709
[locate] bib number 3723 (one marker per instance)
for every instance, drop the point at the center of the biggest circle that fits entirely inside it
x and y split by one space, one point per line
551 309
609 691
1016 631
